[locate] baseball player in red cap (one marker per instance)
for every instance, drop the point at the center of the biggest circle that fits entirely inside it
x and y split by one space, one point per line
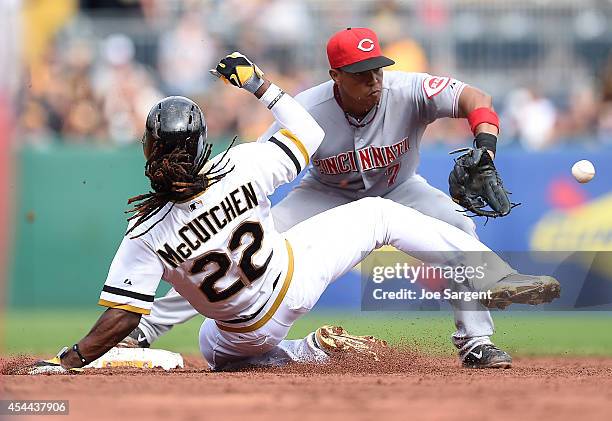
374 121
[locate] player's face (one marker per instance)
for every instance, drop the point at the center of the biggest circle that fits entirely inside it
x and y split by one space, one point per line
363 87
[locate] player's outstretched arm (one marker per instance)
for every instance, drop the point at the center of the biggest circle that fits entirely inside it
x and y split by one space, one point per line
474 181
126 302
289 114
437 97
477 107
289 149
109 330
114 325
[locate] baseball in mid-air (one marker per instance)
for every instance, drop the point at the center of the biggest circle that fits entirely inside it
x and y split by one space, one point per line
583 171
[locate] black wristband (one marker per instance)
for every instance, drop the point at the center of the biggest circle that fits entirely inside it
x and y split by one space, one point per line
486 140
75 348
275 100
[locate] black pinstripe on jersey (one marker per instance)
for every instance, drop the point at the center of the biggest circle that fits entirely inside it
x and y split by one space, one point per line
126 293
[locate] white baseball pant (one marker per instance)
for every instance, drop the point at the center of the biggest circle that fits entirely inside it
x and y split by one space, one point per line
325 247
310 198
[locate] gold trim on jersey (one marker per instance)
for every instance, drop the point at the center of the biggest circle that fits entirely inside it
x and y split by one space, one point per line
298 144
277 302
126 307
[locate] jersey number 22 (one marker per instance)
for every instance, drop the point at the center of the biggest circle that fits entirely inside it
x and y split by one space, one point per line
224 262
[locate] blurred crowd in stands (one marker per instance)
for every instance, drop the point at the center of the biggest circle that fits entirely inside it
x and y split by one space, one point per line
94 86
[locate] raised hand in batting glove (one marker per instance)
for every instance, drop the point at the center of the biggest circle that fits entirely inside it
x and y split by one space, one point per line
474 183
239 71
52 366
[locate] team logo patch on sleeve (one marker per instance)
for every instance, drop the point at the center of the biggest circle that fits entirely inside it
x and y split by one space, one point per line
433 85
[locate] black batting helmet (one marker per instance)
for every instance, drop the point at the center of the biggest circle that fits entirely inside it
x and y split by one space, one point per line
176 122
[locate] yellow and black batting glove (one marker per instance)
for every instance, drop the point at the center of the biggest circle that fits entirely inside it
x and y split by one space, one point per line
52 366
239 71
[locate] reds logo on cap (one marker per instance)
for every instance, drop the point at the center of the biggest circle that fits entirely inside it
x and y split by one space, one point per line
356 50
366 45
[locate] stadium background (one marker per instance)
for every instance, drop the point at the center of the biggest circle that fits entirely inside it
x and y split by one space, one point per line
79 76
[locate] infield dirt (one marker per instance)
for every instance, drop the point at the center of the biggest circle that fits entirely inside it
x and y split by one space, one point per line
402 386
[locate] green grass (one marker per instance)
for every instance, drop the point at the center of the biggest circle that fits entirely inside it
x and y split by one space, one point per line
521 333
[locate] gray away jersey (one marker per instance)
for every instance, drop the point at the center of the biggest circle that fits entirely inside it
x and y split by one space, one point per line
374 159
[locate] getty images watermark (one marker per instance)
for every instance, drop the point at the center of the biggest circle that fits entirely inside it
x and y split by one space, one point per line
394 281
428 275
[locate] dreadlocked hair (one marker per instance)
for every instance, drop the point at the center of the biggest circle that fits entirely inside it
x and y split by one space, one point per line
175 177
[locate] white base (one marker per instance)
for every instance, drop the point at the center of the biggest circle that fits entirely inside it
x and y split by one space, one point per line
138 358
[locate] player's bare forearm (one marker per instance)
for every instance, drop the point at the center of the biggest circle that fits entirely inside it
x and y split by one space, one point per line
109 330
471 99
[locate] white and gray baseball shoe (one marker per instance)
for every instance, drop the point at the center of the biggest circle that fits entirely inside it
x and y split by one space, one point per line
522 289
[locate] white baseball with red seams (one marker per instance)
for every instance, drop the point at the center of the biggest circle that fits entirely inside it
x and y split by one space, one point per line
583 171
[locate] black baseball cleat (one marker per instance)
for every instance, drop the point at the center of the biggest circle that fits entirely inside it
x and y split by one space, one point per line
522 289
486 356
136 339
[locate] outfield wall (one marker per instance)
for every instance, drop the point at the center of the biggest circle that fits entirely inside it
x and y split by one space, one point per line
69 216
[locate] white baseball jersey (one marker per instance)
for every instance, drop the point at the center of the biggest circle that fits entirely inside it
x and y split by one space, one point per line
373 159
220 250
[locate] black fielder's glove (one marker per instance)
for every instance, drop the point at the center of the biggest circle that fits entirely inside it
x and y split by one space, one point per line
474 183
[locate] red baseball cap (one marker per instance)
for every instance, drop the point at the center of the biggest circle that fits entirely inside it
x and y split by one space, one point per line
356 50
